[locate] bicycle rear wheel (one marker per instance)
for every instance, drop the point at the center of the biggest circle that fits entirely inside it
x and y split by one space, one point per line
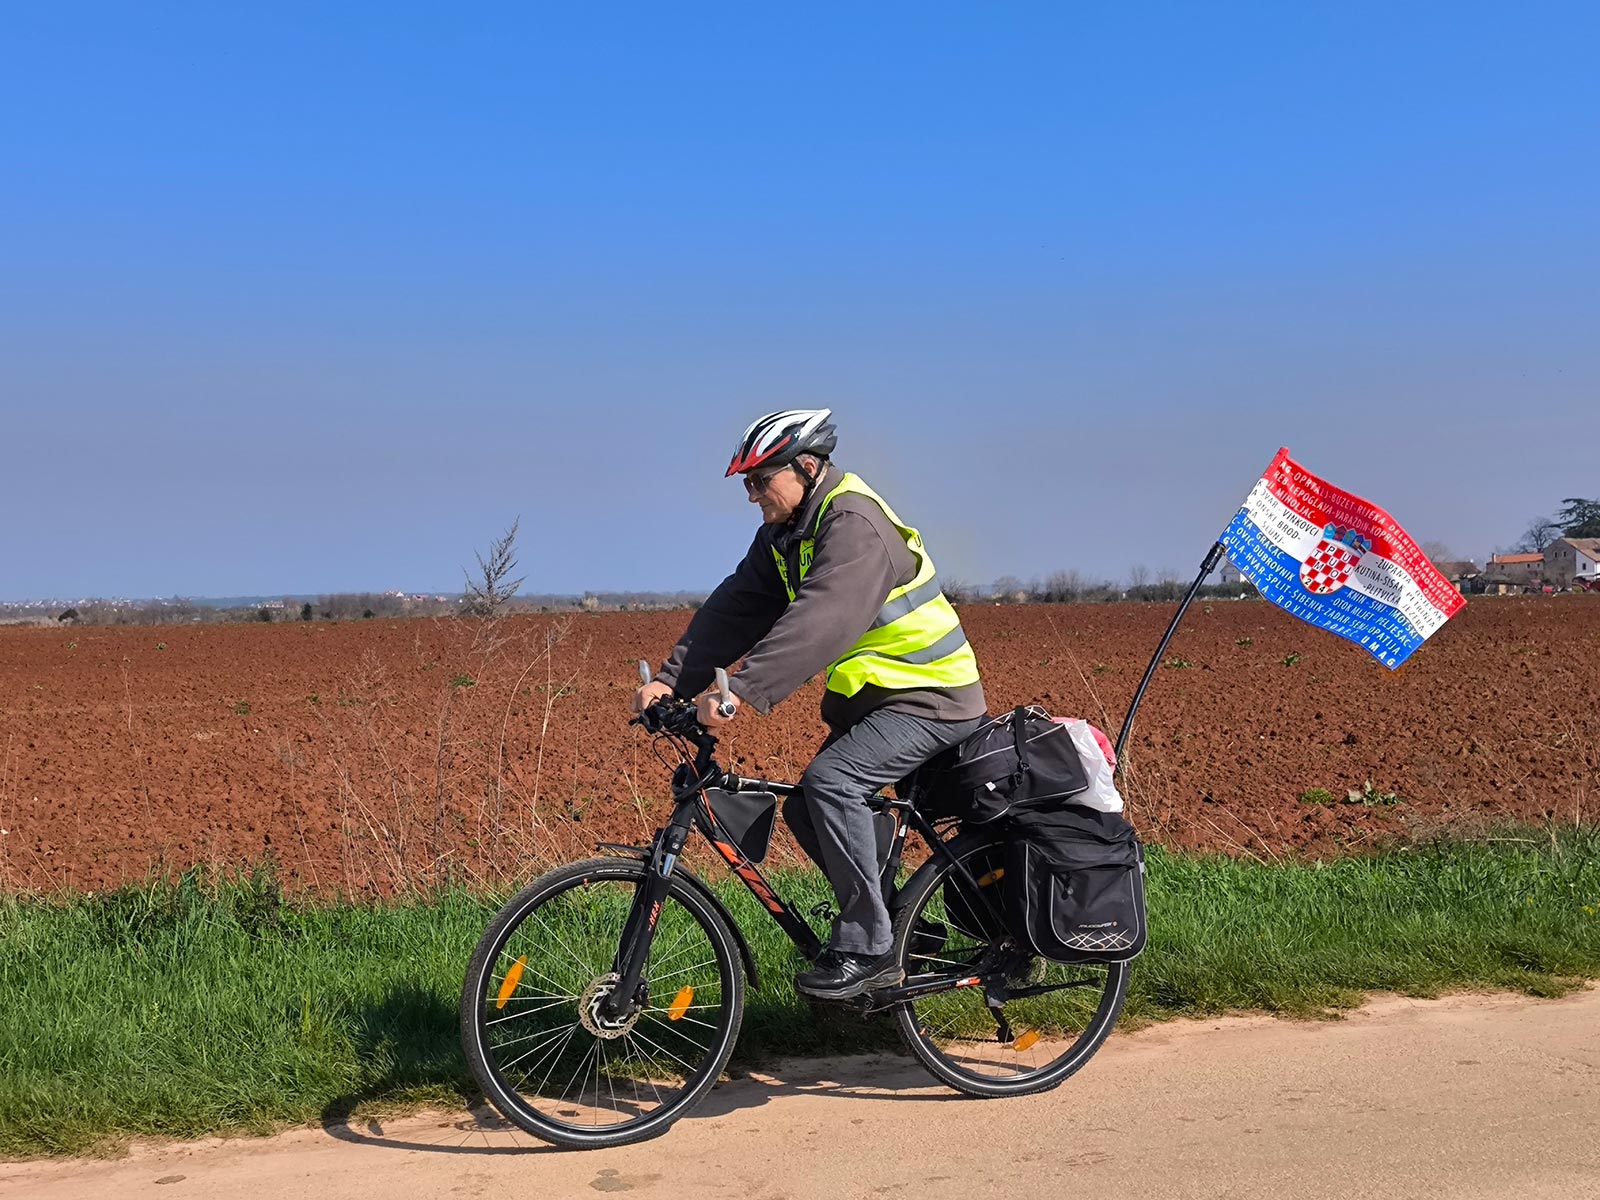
536 1038
1050 1017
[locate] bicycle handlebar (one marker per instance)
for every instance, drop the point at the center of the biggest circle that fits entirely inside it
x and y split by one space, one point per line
671 715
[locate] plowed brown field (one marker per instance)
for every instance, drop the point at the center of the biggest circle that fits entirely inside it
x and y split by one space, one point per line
363 756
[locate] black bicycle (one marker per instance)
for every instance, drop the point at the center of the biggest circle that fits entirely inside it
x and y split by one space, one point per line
605 998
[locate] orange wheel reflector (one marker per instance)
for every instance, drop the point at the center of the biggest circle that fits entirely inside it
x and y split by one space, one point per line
680 1003
993 876
1026 1040
509 983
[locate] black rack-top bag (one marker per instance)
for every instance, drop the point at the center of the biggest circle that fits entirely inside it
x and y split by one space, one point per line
1074 884
1019 760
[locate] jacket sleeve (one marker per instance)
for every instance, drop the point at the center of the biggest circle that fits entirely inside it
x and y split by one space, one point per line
842 593
734 617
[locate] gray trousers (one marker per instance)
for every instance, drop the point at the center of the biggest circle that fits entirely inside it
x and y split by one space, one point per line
832 823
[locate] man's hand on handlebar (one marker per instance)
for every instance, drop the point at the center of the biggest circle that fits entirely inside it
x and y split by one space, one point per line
706 708
647 695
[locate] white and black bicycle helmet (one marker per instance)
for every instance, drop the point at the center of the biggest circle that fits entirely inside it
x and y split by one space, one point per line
781 437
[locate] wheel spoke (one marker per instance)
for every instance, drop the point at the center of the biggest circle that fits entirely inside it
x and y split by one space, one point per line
548 1052
543 1034
708 963
663 1049
689 1019
528 1012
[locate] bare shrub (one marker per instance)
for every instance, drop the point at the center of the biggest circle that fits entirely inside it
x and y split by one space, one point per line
488 593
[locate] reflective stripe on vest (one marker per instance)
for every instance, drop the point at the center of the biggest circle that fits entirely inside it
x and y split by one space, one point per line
916 640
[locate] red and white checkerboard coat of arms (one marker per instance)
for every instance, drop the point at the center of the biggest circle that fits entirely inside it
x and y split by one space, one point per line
1330 564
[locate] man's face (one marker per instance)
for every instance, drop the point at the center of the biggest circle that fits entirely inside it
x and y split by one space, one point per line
779 490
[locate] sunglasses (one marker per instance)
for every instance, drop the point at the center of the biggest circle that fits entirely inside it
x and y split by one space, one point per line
757 482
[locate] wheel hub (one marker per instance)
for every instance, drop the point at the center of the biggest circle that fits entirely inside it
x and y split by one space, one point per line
590 1016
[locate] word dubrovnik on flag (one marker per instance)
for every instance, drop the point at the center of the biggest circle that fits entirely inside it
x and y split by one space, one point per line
1340 563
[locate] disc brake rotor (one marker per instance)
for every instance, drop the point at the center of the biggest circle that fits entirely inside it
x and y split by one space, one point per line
589 1015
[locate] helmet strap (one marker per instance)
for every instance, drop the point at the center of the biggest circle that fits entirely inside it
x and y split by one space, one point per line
812 479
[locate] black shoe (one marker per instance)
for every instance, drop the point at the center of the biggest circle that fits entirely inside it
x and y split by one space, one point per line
842 976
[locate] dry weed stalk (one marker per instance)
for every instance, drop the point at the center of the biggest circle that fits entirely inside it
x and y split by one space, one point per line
139 764
417 813
8 820
1131 783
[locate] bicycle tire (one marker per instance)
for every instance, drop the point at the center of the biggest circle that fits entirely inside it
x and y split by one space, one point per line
482 1008
921 905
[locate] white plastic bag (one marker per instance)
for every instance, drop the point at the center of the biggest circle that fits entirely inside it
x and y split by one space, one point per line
1099 764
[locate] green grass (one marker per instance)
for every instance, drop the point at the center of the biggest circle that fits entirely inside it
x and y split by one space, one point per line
185 1008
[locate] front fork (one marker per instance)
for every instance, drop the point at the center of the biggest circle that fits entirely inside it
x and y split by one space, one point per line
639 931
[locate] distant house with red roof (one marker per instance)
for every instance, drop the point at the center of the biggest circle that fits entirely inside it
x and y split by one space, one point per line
1513 572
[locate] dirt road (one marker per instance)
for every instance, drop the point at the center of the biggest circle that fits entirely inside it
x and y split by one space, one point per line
1479 1097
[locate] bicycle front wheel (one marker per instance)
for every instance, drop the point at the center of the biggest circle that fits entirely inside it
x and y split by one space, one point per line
1052 1018
535 1034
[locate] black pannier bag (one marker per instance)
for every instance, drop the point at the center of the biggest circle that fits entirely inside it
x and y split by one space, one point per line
1074 885
1017 761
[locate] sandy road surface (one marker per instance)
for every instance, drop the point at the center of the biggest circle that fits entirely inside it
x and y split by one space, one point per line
1483 1097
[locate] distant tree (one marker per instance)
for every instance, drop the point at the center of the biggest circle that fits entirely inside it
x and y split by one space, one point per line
487 594
1062 587
263 613
305 611
1437 552
1541 531
1579 518
70 615
1010 589
1103 592
958 591
366 614
1169 584
1138 577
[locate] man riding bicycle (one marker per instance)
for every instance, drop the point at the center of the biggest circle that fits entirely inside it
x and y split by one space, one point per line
834 582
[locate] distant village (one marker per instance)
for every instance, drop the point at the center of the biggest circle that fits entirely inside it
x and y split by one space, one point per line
1568 564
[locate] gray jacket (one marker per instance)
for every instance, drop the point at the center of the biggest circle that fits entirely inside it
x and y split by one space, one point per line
858 560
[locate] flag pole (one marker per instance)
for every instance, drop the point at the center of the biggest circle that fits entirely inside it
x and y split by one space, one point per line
1212 559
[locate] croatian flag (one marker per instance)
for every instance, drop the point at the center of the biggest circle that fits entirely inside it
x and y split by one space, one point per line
1340 563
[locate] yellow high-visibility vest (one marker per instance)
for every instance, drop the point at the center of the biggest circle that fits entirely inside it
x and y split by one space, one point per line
916 640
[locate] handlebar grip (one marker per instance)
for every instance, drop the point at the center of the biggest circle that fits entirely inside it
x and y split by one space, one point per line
644 670
725 708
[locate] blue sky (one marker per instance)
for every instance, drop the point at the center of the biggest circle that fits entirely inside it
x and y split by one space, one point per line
304 300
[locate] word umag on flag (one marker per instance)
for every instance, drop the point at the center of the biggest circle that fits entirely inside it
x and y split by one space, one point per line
1340 563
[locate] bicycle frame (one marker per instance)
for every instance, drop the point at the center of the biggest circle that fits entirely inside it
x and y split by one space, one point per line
692 809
